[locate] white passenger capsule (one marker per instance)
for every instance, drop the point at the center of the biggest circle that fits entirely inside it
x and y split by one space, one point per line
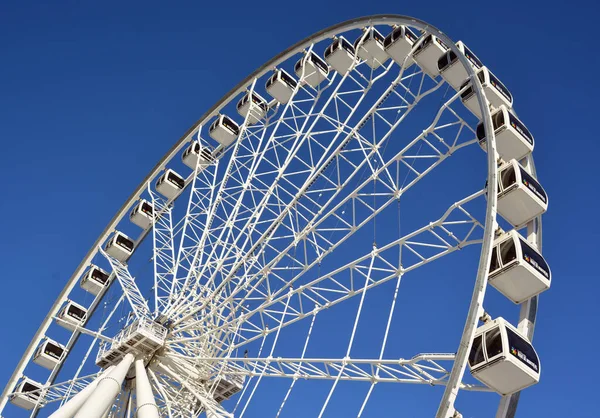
197 154
170 184
399 43
224 130
141 214
503 359
120 246
513 139
452 69
521 198
72 315
95 280
496 93
340 55
369 47
281 86
27 394
49 354
428 53
253 107
517 269
311 69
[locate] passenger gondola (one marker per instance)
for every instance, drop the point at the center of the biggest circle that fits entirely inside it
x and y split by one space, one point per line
452 69
496 93
197 155
517 269
369 47
95 280
72 315
312 69
120 246
399 43
141 214
428 53
340 55
502 358
49 354
253 107
513 139
27 394
224 130
170 184
281 86
520 197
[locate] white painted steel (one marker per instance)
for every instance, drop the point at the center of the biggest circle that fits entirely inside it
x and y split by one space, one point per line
70 408
188 286
146 406
103 396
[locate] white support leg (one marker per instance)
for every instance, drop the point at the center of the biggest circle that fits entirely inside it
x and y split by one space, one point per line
72 406
107 390
146 406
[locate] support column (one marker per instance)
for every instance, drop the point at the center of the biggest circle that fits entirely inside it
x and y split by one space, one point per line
146 406
72 406
107 390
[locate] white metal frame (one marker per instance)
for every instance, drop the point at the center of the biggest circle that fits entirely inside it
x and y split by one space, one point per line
202 285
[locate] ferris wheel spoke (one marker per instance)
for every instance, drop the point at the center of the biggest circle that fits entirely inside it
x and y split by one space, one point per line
456 229
199 392
320 228
163 251
274 142
421 369
129 286
201 195
308 182
241 160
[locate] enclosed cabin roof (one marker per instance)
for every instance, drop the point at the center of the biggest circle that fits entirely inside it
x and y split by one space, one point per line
521 198
369 47
120 246
170 184
502 358
253 107
27 393
49 354
399 43
224 130
518 269
197 155
281 86
95 279
428 52
142 214
340 55
513 139
72 315
496 92
311 69
452 69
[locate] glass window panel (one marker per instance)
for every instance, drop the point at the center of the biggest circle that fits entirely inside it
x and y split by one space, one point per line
476 355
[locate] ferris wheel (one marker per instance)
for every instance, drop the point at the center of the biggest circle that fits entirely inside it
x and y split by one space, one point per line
312 246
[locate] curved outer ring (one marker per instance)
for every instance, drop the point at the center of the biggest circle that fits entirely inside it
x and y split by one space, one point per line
447 404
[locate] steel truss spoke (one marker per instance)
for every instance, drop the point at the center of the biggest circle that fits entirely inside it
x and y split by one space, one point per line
428 243
421 369
129 286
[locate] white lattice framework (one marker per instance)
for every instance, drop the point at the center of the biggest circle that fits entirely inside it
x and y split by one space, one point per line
282 227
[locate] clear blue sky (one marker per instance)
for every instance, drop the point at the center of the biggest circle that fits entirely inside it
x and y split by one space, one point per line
91 91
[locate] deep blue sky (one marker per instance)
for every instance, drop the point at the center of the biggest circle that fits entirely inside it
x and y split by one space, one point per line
92 95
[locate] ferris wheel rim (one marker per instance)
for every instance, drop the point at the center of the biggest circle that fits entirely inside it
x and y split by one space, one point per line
383 19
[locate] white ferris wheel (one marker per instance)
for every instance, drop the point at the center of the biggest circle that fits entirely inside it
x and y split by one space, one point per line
311 246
